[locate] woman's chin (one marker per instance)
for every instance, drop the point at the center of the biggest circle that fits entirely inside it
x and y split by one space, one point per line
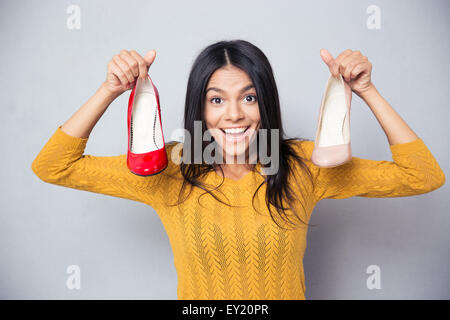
236 157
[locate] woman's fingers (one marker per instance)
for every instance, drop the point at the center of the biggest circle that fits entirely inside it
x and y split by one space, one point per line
349 62
124 67
131 61
345 63
338 67
357 70
116 71
142 65
351 65
354 67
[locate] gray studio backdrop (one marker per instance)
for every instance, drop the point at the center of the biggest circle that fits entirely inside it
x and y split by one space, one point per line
50 68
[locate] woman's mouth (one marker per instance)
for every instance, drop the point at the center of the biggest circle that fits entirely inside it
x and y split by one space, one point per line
235 134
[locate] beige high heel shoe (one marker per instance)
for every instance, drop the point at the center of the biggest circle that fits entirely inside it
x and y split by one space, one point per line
332 145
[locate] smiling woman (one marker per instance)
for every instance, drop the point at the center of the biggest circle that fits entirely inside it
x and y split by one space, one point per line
229 110
238 233
232 91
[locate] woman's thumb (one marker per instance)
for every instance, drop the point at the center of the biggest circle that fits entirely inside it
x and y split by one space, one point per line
150 57
328 59
326 56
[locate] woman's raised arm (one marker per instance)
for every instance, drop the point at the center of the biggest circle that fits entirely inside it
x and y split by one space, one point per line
62 161
122 73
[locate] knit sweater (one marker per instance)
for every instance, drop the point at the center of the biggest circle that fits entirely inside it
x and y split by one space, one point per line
223 252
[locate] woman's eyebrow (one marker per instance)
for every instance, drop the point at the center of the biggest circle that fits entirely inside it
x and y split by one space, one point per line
221 91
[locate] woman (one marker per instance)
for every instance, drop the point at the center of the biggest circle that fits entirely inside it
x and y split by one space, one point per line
236 232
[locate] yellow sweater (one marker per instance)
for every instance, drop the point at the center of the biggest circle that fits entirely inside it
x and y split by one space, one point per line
236 253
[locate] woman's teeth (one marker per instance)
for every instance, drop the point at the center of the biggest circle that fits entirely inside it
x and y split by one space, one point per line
235 131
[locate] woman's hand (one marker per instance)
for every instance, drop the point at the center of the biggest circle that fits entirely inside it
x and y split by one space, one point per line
355 68
124 69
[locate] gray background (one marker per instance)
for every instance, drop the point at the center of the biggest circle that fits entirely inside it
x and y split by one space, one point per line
49 71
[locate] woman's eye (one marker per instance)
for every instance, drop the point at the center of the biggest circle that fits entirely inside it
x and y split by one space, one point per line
252 96
214 99
217 100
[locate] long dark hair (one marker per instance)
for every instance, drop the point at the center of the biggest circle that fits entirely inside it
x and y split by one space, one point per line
251 59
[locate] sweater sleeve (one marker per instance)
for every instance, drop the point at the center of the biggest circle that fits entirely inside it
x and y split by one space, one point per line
62 162
413 171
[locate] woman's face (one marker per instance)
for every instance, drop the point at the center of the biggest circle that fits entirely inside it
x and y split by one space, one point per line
231 102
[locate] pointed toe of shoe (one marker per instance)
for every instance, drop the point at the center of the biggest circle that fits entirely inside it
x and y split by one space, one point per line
331 156
147 164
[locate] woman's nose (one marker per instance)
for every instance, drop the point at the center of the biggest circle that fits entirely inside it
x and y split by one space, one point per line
234 111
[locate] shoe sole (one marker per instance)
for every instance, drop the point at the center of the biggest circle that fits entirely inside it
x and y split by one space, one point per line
149 175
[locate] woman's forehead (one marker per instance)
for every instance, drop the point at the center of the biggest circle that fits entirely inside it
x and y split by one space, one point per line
229 80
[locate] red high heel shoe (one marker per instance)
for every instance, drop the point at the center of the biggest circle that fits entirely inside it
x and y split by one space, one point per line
146 154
